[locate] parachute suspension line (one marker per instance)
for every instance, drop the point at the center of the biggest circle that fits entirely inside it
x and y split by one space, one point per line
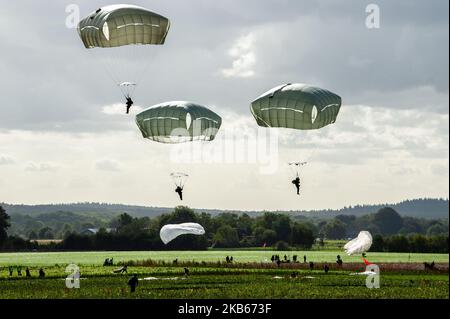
107 64
179 179
145 55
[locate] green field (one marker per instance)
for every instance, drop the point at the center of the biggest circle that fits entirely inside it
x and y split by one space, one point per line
250 277
97 258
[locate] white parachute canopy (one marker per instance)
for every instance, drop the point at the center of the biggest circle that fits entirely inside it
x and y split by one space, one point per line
171 231
360 244
295 167
179 178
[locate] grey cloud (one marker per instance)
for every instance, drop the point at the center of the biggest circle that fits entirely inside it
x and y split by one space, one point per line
53 84
6 160
109 165
41 167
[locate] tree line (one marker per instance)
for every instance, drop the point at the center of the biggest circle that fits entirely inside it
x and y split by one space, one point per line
391 232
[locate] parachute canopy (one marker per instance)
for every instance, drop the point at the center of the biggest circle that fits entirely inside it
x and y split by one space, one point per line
295 167
178 122
296 106
171 231
179 178
122 24
360 244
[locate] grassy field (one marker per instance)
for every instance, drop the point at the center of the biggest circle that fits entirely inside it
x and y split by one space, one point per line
97 258
168 282
249 277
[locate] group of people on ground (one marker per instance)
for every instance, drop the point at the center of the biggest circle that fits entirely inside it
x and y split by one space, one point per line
27 271
108 262
229 259
276 259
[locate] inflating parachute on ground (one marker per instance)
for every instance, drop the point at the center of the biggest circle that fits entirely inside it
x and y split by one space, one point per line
296 106
116 27
178 122
359 245
171 231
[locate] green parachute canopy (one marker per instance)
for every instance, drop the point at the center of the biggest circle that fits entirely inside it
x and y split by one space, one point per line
119 25
178 122
124 39
296 106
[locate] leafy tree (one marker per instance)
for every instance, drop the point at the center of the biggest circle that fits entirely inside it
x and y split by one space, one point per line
377 243
411 225
244 225
418 243
302 235
373 229
226 236
269 237
228 219
4 225
124 220
46 233
282 227
398 243
266 221
32 235
388 220
334 229
437 229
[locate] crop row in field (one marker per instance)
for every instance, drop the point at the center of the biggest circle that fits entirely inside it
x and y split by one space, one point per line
169 282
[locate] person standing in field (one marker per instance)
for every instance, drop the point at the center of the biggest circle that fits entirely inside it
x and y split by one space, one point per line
27 272
339 260
11 270
19 271
133 283
326 268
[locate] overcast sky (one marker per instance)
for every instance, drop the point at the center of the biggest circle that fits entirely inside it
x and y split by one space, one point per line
64 137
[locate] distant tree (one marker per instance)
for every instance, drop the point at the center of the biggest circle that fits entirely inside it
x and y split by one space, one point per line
65 231
411 226
418 243
32 235
4 225
46 233
228 219
346 219
373 229
438 244
398 243
248 241
266 221
377 243
388 220
302 235
124 220
334 229
437 229
244 225
226 236
282 227
268 237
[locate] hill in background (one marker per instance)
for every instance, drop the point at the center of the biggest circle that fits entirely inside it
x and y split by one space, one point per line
420 208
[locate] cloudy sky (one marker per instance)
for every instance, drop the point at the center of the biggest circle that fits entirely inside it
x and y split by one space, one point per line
64 137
